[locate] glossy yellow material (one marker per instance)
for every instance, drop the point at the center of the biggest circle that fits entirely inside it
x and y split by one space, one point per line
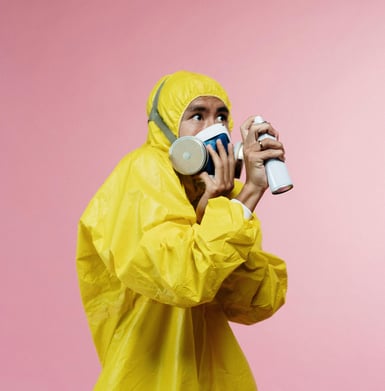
158 288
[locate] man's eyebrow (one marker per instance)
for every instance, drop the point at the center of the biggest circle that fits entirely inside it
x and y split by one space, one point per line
223 109
198 108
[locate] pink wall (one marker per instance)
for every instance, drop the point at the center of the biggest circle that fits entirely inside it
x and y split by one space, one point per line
74 79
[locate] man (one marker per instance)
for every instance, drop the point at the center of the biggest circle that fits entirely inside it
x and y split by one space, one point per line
165 260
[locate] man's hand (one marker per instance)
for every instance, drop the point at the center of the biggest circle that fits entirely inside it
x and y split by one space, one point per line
222 183
254 154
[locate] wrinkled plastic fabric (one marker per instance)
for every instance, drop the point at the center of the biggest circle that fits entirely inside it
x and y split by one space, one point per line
159 289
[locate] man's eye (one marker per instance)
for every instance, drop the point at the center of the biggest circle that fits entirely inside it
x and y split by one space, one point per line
197 117
222 118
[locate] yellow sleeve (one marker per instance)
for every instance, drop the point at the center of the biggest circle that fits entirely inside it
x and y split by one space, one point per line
255 290
142 228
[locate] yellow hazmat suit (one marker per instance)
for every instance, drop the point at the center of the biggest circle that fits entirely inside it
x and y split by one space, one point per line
158 288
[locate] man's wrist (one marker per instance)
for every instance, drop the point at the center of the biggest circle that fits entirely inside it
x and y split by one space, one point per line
250 195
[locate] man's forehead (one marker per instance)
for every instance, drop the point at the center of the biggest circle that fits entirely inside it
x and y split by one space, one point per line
203 103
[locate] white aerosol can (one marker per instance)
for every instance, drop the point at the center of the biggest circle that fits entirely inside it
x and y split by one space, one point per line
276 170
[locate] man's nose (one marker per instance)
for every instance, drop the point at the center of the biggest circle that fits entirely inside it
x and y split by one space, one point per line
209 121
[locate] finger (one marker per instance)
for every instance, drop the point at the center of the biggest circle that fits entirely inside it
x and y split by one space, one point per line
221 149
228 160
268 143
265 127
272 154
217 162
225 179
224 158
250 122
253 135
231 160
244 129
273 132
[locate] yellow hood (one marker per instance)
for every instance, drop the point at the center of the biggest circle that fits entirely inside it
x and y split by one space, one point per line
178 90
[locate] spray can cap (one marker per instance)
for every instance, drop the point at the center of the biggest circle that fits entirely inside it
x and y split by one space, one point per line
259 120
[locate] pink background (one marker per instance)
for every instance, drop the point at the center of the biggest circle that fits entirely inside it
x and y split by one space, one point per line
74 79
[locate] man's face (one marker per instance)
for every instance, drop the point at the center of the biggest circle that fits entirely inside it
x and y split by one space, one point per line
201 113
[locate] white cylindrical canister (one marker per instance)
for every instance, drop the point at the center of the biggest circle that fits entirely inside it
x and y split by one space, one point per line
276 170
